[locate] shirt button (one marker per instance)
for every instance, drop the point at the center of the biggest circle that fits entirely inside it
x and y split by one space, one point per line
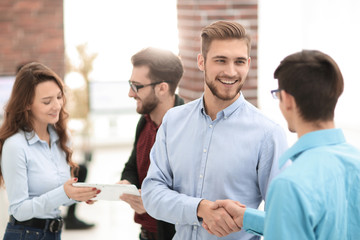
225 117
210 126
204 150
201 176
195 227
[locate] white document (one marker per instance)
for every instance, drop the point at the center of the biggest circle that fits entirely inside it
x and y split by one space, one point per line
111 192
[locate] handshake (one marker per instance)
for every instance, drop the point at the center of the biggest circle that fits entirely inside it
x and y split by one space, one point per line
221 217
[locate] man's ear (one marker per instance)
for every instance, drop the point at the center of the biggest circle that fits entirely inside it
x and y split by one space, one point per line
163 88
288 100
201 62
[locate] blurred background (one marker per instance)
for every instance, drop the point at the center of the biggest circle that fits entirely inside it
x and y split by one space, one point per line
89 43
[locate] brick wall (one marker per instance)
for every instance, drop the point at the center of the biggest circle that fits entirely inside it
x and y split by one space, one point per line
31 30
193 15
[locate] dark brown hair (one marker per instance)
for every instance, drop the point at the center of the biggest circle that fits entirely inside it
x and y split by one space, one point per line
17 117
223 30
164 66
315 81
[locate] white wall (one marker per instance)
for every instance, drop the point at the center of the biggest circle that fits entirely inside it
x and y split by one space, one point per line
330 26
118 29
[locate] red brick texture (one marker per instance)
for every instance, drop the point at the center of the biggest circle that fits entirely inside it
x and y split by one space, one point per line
31 30
193 15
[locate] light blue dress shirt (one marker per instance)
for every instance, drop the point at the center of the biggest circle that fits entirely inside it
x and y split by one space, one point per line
194 158
34 175
318 197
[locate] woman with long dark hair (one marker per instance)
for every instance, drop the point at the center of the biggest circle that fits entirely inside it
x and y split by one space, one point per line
35 156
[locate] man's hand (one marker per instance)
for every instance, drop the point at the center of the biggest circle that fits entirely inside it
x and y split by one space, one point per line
216 220
135 202
123 182
235 209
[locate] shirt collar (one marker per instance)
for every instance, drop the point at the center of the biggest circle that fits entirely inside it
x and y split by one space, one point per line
227 111
312 140
151 122
32 137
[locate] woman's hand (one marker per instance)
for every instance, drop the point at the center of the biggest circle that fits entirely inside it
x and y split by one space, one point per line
90 202
80 193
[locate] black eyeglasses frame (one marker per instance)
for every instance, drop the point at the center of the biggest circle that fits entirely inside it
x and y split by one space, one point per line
274 93
136 87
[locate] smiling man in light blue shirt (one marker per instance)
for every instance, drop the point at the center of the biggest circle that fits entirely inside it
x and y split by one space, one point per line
318 196
216 147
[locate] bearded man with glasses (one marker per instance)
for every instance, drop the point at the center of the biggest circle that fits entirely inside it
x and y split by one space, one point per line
154 79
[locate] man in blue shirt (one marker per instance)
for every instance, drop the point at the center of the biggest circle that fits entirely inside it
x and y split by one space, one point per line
318 197
216 147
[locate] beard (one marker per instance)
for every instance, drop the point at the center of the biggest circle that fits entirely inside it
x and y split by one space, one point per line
223 95
148 104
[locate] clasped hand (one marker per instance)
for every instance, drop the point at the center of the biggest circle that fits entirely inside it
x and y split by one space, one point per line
221 217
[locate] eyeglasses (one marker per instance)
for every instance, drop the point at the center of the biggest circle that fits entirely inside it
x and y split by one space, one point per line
275 93
136 87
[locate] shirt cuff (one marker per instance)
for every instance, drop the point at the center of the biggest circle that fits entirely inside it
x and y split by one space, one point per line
59 197
196 221
253 221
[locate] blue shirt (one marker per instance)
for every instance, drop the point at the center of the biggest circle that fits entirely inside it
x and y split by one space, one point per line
34 175
318 197
195 158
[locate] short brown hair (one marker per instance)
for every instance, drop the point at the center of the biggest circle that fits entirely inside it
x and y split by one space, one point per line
164 66
315 81
223 30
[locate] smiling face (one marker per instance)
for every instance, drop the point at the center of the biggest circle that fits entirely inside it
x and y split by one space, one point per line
226 67
146 99
47 103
